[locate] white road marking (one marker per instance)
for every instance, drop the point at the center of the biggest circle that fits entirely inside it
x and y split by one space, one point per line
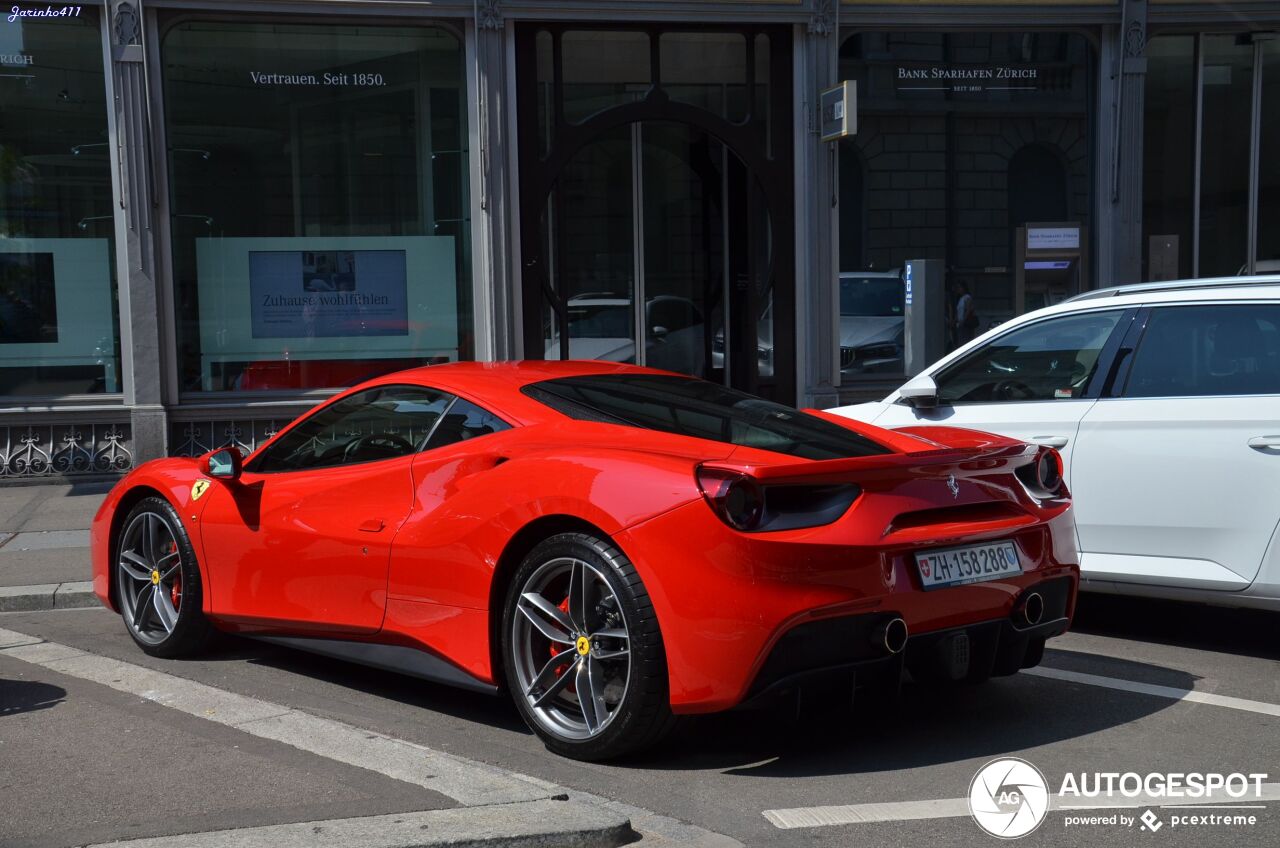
467 782
943 808
1170 692
470 783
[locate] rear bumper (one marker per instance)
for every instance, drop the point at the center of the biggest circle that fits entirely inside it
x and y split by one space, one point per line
728 602
843 651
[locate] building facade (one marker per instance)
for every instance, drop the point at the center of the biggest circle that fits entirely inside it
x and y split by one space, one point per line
215 214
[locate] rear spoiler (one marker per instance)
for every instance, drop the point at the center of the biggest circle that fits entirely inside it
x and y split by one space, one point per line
916 452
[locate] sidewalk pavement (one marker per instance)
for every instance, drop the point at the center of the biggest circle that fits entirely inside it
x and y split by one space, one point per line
44 545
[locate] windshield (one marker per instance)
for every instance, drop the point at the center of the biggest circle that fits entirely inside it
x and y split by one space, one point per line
871 297
702 410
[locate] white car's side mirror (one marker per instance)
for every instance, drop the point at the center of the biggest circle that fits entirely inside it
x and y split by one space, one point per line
920 391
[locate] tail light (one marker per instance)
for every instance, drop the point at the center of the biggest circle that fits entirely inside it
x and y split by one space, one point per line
741 502
1043 476
735 497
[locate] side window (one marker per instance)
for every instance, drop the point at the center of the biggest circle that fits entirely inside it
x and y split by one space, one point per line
464 420
1048 360
1199 351
380 423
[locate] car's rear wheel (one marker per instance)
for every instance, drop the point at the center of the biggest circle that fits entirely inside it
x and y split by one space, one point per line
582 651
158 584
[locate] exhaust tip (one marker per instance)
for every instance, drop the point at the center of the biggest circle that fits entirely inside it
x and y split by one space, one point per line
891 637
1032 609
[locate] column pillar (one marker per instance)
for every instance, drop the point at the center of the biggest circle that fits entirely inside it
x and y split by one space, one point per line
1124 166
140 302
817 221
492 186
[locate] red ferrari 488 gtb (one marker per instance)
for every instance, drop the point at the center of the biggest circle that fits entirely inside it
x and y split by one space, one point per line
612 545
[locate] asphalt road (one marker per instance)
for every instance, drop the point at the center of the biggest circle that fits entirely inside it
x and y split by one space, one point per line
86 759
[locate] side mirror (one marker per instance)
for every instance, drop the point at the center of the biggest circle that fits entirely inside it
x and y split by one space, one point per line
920 391
659 333
222 464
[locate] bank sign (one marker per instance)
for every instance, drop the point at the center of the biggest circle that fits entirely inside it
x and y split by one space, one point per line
970 78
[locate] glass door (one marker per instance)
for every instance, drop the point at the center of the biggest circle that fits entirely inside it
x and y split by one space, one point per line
656 210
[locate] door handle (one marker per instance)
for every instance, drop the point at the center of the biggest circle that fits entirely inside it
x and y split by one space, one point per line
1051 441
373 525
1264 442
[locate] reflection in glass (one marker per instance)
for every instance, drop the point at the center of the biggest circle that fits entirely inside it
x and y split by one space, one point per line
1224 161
707 70
1168 157
58 313
319 197
600 69
872 321
1268 252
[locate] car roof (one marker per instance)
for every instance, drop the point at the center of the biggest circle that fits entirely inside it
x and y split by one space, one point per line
892 273
1195 287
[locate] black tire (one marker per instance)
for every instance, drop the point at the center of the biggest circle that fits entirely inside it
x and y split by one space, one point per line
191 631
642 717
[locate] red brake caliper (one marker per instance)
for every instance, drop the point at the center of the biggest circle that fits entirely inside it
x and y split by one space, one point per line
175 590
564 607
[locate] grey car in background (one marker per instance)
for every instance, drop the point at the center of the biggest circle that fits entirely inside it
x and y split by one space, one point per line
872 304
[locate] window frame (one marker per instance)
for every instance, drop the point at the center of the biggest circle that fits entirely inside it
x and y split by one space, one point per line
1093 389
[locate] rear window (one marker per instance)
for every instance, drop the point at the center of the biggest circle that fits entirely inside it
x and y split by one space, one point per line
702 410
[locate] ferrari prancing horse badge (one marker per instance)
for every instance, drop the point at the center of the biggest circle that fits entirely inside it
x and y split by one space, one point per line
198 488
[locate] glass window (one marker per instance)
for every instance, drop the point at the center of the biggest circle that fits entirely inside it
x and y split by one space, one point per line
58 314
602 69
1224 160
464 420
702 410
1268 255
966 139
319 200
707 70
1200 351
1048 360
1168 157
381 423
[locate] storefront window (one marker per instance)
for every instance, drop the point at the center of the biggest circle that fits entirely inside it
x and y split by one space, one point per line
319 202
1269 163
973 149
1224 155
1168 157
58 324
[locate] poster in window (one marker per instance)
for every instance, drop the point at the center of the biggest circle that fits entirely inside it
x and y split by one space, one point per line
328 293
28 299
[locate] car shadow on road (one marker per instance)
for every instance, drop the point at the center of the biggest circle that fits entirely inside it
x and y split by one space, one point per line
1243 632
473 706
922 727
24 696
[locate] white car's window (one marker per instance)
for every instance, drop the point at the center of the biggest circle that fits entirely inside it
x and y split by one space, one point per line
380 423
1052 359
1201 351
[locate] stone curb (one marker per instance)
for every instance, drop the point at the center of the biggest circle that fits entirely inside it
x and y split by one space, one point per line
548 823
46 596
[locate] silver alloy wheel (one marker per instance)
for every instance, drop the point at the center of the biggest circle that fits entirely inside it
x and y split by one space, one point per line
149 577
572 660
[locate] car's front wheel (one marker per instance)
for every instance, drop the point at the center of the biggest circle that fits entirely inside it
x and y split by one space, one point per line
158 584
582 651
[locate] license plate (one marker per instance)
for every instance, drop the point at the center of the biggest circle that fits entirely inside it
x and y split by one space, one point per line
970 564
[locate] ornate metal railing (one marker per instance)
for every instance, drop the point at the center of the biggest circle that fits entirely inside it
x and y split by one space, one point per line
50 450
193 438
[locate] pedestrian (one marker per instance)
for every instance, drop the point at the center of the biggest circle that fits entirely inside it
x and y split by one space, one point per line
966 315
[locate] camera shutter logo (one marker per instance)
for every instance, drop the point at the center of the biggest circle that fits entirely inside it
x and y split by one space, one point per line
1008 798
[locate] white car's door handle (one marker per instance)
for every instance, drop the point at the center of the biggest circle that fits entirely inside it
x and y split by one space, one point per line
1051 441
1265 442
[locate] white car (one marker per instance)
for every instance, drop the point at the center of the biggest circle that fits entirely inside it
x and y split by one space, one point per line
1164 400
